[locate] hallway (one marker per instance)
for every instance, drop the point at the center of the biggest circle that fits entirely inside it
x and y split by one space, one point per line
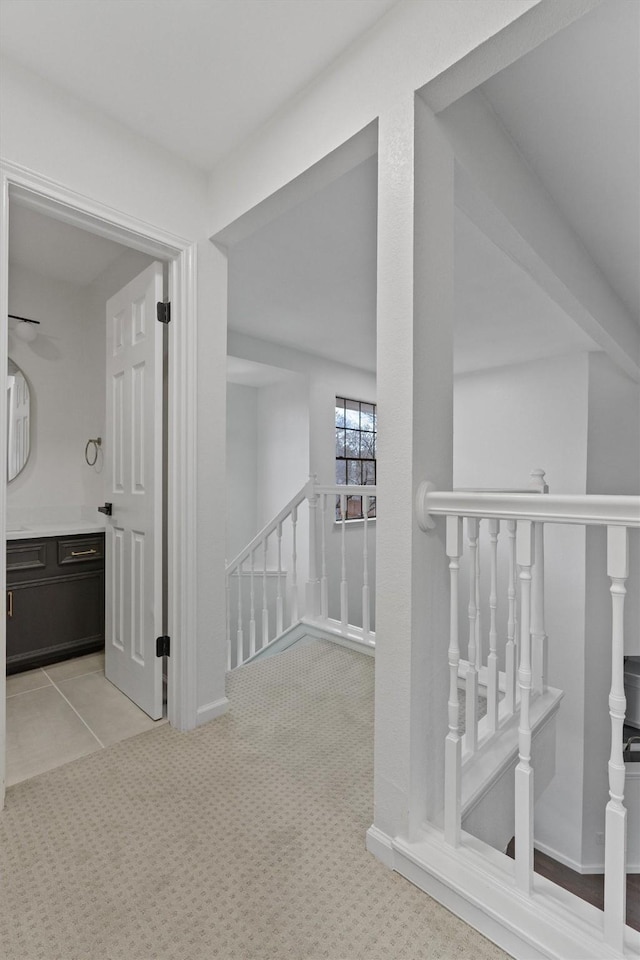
243 839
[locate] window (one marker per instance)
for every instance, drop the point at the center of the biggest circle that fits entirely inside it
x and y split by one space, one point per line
356 429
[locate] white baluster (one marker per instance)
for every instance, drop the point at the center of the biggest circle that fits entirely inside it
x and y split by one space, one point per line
294 567
510 652
471 711
524 770
228 598
453 742
239 634
279 610
366 626
478 615
344 594
324 591
265 609
492 663
539 640
312 599
252 615
615 858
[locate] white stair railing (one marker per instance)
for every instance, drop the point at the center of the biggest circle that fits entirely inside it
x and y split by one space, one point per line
273 592
354 540
244 648
524 515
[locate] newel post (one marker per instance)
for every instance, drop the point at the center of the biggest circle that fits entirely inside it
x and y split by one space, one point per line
312 594
539 639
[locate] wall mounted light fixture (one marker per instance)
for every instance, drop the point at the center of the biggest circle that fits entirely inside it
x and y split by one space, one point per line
25 329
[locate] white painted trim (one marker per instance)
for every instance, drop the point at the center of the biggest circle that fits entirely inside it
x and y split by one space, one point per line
515 40
317 630
476 883
59 201
4 325
182 484
281 643
211 711
583 869
332 630
379 844
589 509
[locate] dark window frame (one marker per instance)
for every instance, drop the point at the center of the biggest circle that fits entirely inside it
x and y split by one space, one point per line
356 426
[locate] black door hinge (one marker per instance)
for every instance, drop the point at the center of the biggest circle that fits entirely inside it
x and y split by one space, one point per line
164 312
163 646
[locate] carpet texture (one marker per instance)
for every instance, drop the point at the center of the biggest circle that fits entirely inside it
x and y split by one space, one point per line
242 840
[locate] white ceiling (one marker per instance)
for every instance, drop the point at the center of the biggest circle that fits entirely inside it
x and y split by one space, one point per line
58 250
196 76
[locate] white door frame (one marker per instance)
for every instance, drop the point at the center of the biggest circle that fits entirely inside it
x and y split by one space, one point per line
55 199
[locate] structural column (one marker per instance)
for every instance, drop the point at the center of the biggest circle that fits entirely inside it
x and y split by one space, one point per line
415 406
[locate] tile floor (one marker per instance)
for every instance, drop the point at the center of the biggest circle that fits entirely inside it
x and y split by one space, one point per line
64 711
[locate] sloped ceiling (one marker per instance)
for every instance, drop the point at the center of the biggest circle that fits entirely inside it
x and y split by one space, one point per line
573 108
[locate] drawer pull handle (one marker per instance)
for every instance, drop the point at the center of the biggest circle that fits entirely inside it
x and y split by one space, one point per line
83 553
9 603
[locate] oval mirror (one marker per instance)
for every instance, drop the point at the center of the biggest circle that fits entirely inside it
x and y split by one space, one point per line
18 421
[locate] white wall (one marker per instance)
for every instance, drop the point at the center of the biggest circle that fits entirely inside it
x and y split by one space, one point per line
242 466
506 422
64 366
283 444
72 144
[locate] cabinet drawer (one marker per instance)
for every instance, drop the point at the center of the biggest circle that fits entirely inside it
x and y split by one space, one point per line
80 550
26 555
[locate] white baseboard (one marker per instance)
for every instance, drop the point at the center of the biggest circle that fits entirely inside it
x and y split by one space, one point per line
579 867
209 711
379 844
476 883
324 630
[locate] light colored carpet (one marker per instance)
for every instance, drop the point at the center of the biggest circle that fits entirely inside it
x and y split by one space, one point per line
243 840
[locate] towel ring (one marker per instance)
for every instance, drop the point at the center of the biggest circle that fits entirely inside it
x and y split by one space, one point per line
96 443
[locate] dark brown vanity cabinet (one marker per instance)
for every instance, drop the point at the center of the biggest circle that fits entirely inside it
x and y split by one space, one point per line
55 599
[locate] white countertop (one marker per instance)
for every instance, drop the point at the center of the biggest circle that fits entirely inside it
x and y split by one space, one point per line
62 529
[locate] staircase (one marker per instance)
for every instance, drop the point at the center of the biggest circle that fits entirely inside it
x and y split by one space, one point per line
270 605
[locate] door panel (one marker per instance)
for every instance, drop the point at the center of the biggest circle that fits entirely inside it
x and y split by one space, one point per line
133 468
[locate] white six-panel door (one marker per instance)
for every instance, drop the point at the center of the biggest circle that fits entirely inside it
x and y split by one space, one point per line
133 484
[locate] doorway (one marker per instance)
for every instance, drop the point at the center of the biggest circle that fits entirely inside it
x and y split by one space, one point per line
28 191
63 700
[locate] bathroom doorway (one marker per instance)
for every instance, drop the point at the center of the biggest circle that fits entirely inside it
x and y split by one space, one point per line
61 464
129 251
